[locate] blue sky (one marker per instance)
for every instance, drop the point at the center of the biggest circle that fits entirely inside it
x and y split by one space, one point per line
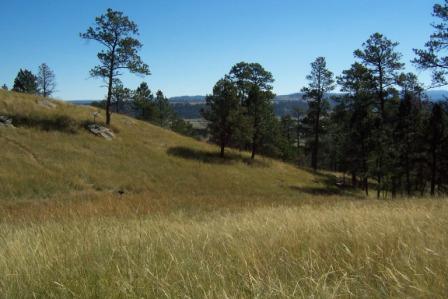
190 44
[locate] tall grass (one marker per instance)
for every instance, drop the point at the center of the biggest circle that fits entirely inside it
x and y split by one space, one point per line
368 249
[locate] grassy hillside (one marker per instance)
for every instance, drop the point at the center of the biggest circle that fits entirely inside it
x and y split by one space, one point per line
42 162
191 225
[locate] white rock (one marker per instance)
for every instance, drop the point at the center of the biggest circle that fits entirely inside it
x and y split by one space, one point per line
101 131
6 122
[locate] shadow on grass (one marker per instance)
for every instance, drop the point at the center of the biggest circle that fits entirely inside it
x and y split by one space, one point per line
329 186
203 156
213 157
60 123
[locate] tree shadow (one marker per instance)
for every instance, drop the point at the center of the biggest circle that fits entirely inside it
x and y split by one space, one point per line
62 123
330 185
204 156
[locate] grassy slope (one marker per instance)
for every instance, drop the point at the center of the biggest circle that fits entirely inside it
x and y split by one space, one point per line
190 226
144 158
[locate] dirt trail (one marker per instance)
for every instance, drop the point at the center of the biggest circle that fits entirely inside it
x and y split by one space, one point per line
26 150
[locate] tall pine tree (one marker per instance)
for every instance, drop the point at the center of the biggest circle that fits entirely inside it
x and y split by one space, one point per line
321 82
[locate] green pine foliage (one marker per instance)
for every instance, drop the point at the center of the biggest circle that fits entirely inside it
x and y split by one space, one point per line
25 82
223 113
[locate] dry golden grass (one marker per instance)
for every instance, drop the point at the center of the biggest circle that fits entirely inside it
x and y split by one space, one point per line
368 249
192 226
39 164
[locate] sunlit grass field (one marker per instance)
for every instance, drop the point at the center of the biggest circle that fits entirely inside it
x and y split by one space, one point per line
192 226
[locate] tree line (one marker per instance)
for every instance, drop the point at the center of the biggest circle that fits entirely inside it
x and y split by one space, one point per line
382 130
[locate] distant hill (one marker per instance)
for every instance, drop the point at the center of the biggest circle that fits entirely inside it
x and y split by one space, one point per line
434 95
82 102
185 99
189 107
437 95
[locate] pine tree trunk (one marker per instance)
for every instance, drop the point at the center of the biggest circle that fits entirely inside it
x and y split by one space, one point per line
354 180
366 185
252 157
394 187
109 96
433 172
298 145
222 150
316 140
378 191
408 180
109 88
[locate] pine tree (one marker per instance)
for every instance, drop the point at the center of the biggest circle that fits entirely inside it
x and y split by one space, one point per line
251 77
288 129
120 96
117 34
163 110
321 81
223 111
143 102
261 117
46 80
358 85
299 113
433 57
25 82
436 138
408 141
379 56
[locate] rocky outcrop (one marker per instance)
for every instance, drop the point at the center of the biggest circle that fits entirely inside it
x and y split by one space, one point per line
6 122
101 131
46 104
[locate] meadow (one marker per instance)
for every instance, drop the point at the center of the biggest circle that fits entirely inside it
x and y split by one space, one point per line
191 225
332 248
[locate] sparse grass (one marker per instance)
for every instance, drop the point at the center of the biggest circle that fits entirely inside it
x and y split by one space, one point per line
190 225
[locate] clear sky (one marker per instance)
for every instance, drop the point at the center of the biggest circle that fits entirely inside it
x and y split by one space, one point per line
190 44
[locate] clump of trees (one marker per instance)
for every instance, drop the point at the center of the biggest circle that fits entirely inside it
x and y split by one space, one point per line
43 83
240 110
142 104
381 129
